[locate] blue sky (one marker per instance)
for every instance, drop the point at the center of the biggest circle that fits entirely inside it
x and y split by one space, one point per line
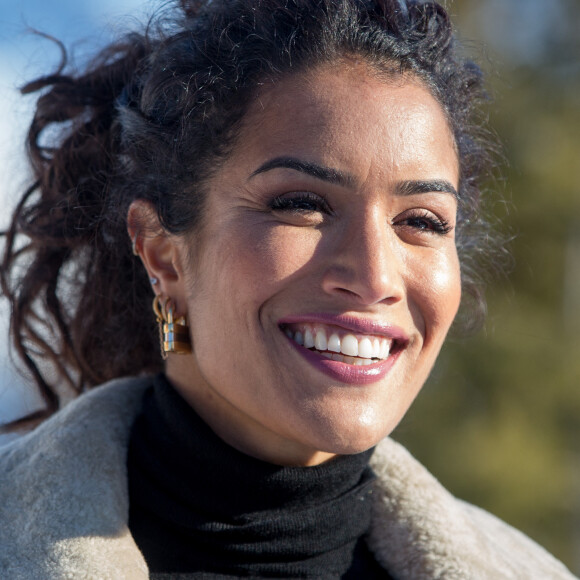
520 30
23 55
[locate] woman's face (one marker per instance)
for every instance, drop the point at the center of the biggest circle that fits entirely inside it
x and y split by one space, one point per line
325 277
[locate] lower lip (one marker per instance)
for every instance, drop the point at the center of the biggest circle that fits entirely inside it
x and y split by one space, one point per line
346 373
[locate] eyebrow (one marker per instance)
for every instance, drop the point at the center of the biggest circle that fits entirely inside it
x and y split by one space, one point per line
328 174
337 177
413 187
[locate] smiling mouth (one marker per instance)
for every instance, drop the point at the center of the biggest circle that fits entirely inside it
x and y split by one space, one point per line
339 344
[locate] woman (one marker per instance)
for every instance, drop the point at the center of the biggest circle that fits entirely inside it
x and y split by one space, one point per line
295 188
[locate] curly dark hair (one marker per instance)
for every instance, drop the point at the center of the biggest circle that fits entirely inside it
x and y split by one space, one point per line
151 118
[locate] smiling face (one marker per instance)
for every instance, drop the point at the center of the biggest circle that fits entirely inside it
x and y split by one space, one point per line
324 277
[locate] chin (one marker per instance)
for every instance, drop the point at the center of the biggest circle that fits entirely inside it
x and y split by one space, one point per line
356 437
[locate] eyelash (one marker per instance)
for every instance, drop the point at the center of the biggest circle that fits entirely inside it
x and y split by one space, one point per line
435 225
296 203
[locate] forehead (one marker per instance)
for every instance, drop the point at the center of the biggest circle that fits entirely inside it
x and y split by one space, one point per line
346 115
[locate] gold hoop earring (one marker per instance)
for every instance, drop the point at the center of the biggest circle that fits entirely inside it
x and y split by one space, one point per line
173 334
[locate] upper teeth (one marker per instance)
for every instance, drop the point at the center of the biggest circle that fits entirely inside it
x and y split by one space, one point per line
323 339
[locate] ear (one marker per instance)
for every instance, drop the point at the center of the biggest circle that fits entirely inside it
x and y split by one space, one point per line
159 252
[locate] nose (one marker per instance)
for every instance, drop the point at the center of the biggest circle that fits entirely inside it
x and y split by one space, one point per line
366 261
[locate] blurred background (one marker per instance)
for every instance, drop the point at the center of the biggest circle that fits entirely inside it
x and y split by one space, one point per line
499 420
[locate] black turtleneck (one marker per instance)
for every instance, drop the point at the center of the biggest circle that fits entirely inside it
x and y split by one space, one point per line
201 509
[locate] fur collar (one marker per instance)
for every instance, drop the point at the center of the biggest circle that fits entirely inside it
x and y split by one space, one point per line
64 507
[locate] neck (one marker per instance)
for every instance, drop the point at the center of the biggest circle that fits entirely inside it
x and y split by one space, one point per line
238 429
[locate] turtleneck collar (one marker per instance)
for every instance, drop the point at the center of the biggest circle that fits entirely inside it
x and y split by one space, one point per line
199 505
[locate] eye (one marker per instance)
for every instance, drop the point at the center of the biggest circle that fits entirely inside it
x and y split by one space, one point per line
424 221
300 203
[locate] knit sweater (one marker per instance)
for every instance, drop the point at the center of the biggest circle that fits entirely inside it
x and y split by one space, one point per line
64 507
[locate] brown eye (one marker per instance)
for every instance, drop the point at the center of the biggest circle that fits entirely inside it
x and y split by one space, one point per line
426 222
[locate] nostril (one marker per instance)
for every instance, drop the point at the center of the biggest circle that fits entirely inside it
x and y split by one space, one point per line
346 292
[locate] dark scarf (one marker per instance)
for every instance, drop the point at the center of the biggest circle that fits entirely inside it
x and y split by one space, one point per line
201 509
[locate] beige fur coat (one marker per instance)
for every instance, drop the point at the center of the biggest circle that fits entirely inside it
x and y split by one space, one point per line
64 507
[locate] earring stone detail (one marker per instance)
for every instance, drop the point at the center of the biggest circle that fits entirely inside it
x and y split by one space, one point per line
173 333
134 245
153 280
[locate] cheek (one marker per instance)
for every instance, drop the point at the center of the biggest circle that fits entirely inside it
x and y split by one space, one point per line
437 293
263 260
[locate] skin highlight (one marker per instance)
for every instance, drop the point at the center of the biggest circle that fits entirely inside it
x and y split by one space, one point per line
283 242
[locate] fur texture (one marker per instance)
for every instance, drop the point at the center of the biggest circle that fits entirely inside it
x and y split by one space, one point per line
64 507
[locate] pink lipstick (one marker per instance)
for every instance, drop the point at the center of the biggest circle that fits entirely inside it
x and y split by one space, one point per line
341 325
